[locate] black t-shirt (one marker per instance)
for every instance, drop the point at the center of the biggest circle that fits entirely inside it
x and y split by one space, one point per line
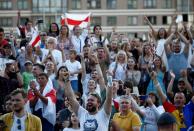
6 87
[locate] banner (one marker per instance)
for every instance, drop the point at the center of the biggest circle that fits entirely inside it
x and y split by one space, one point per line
35 41
71 20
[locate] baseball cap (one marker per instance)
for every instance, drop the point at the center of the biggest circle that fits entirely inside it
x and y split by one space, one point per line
181 80
28 62
166 118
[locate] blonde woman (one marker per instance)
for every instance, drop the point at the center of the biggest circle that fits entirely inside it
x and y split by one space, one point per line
118 68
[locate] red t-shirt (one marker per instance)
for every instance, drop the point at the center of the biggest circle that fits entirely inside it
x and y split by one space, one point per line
3 42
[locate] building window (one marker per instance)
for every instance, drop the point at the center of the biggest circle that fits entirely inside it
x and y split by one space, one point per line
22 4
149 3
132 4
49 20
55 6
47 6
190 18
23 20
6 22
76 4
166 20
185 17
5 4
95 21
132 20
111 21
94 4
152 19
111 4
131 35
182 5
167 4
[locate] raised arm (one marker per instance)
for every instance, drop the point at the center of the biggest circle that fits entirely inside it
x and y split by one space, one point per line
137 108
161 94
69 93
100 75
167 42
83 67
108 102
188 30
172 23
106 51
186 42
19 76
187 84
170 85
150 25
18 19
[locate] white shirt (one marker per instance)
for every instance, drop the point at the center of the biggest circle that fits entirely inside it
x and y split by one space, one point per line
120 70
71 129
18 122
97 122
79 42
161 52
57 55
72 67
95 40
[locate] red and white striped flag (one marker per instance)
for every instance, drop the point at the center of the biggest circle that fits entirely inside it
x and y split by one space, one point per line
71 20
35 41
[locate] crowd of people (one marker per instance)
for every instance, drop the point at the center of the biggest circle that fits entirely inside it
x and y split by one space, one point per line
81 80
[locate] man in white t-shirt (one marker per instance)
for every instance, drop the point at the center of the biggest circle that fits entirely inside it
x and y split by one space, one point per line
93 118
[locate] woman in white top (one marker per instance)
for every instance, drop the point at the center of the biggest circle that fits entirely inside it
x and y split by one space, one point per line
118 68
98 40
74 124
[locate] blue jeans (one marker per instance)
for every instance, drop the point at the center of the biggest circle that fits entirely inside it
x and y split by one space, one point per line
74 85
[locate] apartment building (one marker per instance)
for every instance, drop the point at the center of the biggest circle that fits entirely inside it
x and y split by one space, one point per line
125 15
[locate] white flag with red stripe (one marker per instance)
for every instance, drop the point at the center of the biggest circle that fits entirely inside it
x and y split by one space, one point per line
35 41
71 20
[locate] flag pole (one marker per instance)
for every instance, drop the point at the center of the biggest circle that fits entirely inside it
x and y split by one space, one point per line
89 23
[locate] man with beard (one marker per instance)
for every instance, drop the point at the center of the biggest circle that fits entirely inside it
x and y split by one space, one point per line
183 113
177 59
19 119
92 118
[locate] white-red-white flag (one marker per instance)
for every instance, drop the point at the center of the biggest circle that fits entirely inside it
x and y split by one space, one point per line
35 41
81 20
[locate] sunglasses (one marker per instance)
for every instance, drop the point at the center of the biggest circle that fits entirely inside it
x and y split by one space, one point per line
42 34
19 127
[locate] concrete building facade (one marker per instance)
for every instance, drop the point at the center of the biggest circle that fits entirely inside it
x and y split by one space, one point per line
126 15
